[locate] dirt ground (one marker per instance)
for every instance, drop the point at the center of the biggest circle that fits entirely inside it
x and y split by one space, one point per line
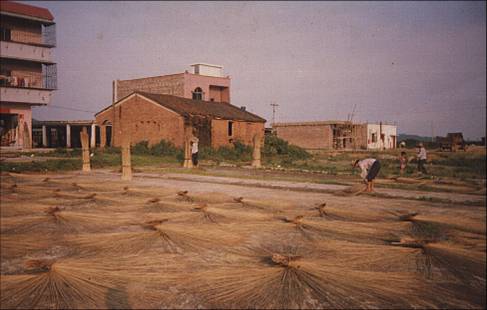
176 240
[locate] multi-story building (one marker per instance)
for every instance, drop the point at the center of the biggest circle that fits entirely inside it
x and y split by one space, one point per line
206 82
27 71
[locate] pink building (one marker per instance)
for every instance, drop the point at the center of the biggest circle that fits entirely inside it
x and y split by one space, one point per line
206 82
27 72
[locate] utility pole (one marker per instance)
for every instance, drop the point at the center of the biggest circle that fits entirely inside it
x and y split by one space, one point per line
274 106
432 132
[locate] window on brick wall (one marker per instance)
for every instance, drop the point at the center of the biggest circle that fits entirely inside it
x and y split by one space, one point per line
230 129
198 94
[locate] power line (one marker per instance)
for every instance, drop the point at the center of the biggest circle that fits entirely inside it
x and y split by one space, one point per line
65 108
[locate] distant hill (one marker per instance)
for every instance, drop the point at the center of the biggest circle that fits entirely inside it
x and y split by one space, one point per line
405 136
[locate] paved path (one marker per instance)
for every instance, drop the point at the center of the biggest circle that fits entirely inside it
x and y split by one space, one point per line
311 187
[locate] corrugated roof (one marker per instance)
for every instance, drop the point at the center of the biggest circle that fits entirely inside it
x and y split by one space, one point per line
187 107
25 9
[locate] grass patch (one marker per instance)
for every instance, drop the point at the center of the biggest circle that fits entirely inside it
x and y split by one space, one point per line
43 166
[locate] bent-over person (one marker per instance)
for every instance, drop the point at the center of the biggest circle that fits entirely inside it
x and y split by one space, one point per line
370 168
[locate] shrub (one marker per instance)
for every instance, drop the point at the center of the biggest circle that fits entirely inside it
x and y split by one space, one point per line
277 146
165 148
141 148
237 152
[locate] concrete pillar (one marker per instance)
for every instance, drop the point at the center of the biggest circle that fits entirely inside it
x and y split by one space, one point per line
44 136
256 156
103 136
27 140
68 135
93 135
188 135
126 162
85 147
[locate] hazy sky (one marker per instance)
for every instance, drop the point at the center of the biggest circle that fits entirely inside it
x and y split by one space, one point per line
420 64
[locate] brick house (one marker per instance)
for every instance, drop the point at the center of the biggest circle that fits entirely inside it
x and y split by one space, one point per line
337 135
153 117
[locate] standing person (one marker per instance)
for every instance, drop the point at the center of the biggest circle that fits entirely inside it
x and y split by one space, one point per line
370 168
421 156
194 150
403 160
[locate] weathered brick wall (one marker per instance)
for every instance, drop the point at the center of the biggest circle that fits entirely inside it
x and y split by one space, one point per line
168 85
307 136
242 131
144 120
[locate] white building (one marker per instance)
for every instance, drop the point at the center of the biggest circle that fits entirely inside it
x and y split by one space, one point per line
381 136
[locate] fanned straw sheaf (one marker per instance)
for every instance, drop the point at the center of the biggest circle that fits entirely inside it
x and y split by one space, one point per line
330 212
159 236
52 285
20 245
99 244
159 192
274 278
58 220
77 283
209 198
264 205
160 205
314 228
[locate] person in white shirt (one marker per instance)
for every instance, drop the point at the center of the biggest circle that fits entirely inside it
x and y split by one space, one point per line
370 168
421 156
194 150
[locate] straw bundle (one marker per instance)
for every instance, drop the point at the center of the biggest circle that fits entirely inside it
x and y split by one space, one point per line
107 245
289 280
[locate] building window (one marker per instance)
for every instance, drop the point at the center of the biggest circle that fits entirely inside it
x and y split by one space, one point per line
374 138
230 129
198 94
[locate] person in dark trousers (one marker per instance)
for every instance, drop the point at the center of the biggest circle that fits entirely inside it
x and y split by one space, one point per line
194 151
421 156
370 168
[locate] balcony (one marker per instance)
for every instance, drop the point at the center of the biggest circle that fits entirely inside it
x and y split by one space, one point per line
25 95
45 79
32 88
24 51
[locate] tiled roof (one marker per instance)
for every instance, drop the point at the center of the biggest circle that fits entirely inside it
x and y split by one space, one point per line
188 107
25 9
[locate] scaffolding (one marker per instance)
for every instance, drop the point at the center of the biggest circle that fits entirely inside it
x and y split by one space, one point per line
344 136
